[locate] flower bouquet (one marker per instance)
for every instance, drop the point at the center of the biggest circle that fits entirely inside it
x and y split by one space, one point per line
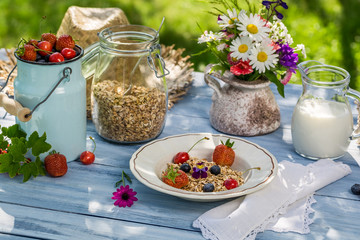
253 45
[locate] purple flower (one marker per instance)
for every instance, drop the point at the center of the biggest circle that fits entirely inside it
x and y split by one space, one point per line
200 171
287 57
271 7
266 4
124 196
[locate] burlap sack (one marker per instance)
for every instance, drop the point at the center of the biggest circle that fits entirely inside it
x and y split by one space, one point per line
83 24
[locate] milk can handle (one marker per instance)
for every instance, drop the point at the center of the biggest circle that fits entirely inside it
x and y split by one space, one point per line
66 73
15 108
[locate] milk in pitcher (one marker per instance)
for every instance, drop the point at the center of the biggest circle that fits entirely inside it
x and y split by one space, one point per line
321 128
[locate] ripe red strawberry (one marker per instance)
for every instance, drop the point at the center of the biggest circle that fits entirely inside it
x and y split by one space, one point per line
44 47
27 52
55 164
56 57
223 154
175 178
68 53
64 41
33 42
51 38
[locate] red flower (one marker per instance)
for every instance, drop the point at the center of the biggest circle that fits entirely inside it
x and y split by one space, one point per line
231 60
242 68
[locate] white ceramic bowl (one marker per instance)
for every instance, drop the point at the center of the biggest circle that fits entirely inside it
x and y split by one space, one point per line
148 162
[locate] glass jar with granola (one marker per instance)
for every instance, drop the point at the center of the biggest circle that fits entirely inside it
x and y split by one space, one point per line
129 95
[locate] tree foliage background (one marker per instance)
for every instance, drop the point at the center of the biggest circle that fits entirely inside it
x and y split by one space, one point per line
328 28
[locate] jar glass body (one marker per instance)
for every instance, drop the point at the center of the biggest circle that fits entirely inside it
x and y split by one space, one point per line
129 102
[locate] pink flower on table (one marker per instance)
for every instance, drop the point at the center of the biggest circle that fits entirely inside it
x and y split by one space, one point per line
125 196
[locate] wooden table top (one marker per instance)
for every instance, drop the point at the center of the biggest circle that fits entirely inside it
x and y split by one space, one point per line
79 205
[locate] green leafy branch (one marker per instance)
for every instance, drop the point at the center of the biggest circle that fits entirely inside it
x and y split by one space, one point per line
14 161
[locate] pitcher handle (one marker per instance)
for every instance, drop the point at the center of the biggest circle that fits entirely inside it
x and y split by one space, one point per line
355 95
212 81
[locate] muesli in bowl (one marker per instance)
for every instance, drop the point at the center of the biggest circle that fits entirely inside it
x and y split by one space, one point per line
200 175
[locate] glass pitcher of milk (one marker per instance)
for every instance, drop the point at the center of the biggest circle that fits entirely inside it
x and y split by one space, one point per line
322 122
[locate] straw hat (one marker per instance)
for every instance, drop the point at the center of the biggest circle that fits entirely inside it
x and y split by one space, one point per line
83 23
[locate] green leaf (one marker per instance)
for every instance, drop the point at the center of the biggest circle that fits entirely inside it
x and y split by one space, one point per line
17 149
127 177
3 142
14 162
219 67
272 77
27 170
14 131
40 166
39 144
5 162
32 139
118 183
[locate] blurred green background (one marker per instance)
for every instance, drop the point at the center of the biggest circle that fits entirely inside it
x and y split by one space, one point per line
328 28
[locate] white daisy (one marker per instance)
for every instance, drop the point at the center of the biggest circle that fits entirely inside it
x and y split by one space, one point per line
210 36
262 56
221 47
241 47
279 32
231 19
253 26
301 47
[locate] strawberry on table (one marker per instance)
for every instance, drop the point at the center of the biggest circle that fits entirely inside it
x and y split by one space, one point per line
223 154
55 164
64 41
175 178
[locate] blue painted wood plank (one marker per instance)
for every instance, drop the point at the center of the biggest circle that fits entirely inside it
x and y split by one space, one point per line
85 191
46 224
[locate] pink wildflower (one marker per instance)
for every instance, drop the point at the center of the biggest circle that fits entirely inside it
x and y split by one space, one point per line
125 196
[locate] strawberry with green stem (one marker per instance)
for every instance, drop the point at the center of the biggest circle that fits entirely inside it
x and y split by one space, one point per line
223 154
88 157
182 157
26 51
56 164
175 178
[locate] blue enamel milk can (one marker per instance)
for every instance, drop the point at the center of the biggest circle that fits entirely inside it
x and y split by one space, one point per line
53 96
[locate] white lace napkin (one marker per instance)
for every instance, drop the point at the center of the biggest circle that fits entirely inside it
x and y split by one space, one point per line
283 205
